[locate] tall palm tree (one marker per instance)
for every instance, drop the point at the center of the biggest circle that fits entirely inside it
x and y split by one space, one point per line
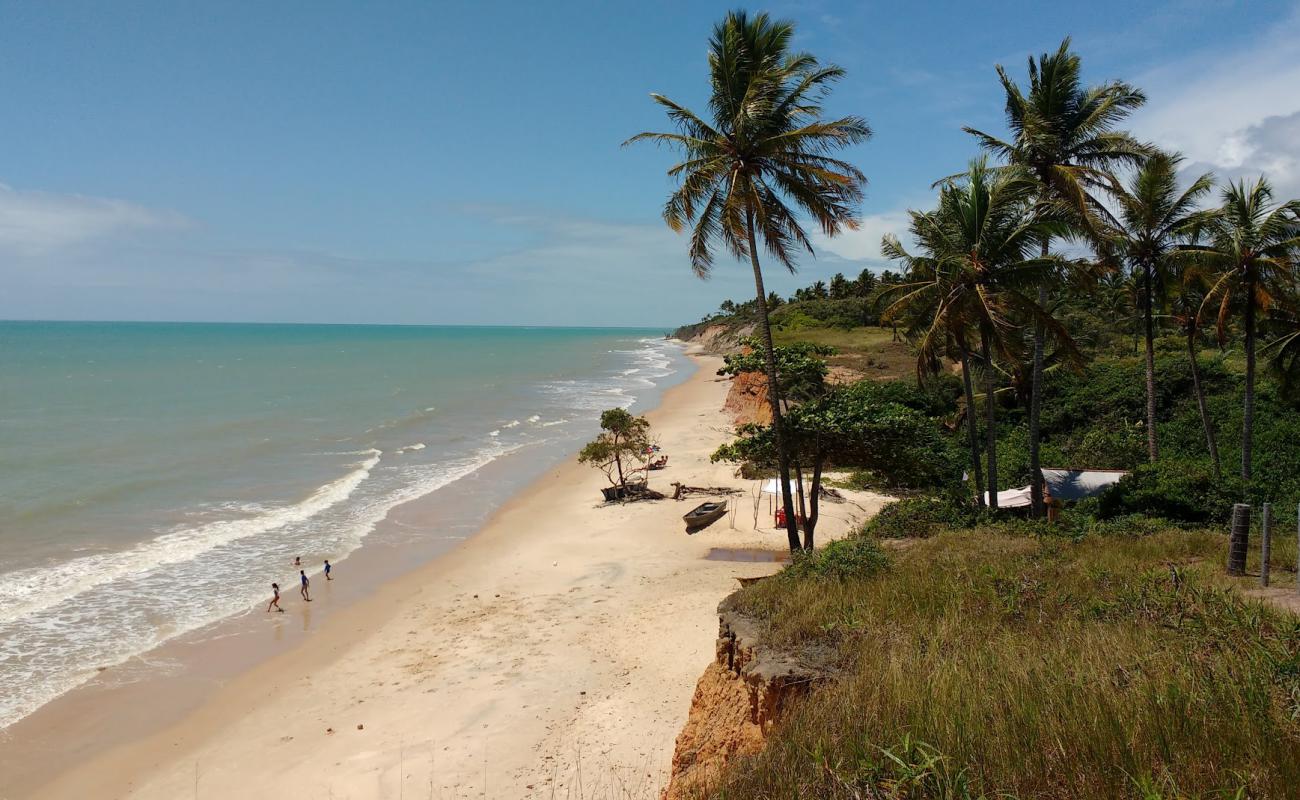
1064 134
766 151
975 273
1251 246
1151 220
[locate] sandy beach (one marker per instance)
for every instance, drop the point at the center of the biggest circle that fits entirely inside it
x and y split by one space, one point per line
552 654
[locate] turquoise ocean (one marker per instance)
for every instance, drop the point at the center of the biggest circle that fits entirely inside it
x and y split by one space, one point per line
149 472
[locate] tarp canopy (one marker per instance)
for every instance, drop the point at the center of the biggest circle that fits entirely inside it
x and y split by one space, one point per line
1077 484
773 486
1012 498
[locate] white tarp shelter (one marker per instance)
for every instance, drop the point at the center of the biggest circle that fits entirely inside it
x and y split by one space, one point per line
773 486
1063 485
1076 484
1012 498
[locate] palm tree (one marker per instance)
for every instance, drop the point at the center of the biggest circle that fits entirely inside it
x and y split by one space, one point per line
1187 313
1063 134
975 274
767 148
1251 247
1151 220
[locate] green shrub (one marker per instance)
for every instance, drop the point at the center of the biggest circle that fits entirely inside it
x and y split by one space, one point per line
855 557
919 517
845 313
1183 490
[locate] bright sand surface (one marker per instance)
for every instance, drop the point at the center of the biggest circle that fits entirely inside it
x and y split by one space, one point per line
552 654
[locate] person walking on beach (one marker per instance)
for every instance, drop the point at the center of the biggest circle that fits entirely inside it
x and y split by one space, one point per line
327 570
305 584
275 599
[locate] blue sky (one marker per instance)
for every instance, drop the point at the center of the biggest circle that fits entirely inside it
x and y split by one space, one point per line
460 163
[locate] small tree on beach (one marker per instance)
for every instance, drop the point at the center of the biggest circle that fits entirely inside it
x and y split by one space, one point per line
852 426
761 161
624 440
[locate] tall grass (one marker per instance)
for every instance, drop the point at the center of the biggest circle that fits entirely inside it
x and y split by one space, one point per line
985 665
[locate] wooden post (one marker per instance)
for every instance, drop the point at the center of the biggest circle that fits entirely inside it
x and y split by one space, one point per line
1239 539
1266 540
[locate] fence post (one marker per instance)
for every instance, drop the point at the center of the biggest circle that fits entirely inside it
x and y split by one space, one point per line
1265 545
1239 540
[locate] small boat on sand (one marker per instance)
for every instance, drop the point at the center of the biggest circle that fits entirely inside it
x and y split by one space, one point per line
704 515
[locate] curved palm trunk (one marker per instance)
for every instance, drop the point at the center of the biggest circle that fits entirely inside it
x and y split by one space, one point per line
1200 402
1248 412
1149 328
1035 411
814 506
773 391
972 437
992 433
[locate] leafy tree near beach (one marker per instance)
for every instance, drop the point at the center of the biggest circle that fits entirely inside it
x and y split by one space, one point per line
761 161
624 441
1064 134
801 367
861 426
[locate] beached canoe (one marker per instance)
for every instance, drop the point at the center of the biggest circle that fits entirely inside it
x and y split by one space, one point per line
704 514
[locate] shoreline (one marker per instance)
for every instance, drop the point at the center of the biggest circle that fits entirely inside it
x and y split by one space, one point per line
562 637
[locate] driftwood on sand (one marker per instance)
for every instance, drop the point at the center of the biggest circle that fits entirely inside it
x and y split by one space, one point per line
681 491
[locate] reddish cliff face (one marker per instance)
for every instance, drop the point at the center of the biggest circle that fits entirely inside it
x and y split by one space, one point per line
741 695
747 399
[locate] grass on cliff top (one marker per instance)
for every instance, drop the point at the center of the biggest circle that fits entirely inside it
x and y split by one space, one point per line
983 665
867 349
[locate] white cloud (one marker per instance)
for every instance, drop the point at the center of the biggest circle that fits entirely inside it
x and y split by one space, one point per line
1235 112
36 222
864 243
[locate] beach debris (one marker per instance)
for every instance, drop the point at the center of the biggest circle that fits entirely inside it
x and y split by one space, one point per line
681 490
329 731
360 727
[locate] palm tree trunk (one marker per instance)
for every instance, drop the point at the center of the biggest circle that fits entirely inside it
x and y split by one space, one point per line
773 390
991 423
1248 412
1200 402
1036 408
1149 327
972 437
814 504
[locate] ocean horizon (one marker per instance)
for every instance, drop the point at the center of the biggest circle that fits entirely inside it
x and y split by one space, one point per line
156 476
